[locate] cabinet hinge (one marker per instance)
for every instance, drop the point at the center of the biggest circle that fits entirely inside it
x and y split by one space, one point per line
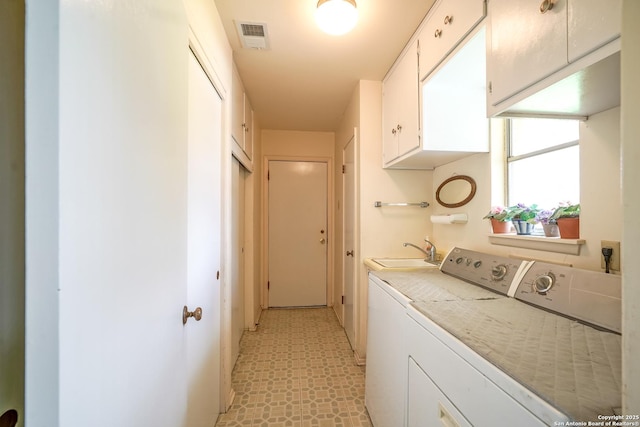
268 175
490 87
343 168
268 285
342 299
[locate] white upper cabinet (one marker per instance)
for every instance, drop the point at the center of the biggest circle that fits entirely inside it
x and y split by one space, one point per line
400 107
553 57
241 122
448 22
525 45
592 24
443 95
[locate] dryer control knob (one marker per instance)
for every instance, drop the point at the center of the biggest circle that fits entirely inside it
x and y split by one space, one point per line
498 272
543 283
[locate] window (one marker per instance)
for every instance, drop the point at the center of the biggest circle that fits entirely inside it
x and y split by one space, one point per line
543 161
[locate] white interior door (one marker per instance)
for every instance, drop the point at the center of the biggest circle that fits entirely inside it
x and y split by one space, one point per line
348 202
297 233
203 265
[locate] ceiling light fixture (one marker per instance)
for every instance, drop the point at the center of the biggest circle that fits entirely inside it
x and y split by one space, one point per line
336 17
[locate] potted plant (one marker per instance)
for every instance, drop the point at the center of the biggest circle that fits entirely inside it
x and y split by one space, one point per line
549 225
567 216
499 216
523 217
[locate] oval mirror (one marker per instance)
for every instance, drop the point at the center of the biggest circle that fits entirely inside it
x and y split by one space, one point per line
456 191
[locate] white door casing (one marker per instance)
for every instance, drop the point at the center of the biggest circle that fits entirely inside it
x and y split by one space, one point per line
237 257
203 248
297 233
349 255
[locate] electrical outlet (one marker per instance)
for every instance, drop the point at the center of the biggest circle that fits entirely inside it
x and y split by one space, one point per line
615 257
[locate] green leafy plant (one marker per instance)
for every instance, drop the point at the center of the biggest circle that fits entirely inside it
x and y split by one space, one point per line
523 212
566 210
499 213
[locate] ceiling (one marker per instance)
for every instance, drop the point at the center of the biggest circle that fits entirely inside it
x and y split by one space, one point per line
306 78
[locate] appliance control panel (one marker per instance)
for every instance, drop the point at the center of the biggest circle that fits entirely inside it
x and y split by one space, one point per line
589 296
490 271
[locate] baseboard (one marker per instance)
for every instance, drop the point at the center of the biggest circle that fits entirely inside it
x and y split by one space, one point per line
230 398
360 361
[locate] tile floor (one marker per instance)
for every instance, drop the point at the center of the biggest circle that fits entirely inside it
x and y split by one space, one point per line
298 370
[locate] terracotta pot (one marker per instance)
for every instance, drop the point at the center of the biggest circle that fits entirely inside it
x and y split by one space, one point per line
569 227
551 230
522 227
500 227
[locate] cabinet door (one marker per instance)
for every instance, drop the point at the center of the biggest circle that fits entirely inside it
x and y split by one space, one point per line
386 376
237 108
409 101
592 23
449 23
525 45
426 405
390 97
248 128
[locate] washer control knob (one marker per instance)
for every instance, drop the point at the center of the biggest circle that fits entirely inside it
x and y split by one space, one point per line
543 283
477 264
459 260
498 272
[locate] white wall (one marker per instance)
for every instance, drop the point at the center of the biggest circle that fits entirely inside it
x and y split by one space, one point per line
631 206
12 207
600 198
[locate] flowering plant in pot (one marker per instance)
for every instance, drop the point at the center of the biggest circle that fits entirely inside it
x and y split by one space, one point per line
499 216
523 217
548 225
567 216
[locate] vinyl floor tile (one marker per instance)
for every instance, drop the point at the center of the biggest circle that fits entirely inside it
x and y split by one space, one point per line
297 370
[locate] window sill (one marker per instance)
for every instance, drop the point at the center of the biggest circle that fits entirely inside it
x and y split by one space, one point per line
541 243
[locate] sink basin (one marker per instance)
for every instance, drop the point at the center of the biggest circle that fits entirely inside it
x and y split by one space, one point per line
404 262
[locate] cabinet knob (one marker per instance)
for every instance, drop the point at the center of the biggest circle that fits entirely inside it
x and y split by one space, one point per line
393 131
546 5
399 128
350 253
448 19
438 33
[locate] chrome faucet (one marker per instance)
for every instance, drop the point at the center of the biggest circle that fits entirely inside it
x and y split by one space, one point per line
431 255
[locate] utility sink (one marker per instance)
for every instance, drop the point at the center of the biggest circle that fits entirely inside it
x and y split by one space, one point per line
402 263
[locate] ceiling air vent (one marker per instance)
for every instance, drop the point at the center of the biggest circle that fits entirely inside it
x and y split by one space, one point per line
253 35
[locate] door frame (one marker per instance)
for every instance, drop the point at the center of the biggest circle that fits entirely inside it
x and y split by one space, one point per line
264 297
355 214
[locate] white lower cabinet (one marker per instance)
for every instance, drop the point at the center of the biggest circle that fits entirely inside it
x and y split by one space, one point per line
386 375
426 405
448 391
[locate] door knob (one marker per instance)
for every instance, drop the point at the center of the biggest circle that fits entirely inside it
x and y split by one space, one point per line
196 314
546 6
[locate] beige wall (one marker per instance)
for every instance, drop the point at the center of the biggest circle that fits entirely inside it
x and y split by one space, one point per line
600 188
297 143
631 222
12 207
381 231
